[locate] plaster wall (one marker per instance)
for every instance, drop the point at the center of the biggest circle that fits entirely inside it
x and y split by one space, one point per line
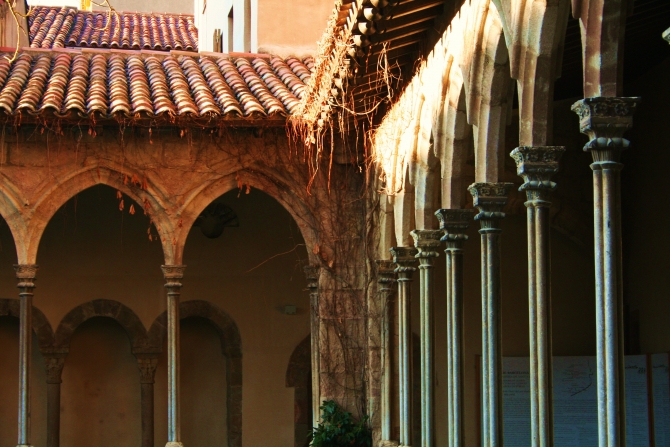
292 28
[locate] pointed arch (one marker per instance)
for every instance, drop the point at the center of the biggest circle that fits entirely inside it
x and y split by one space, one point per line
54 195
198 200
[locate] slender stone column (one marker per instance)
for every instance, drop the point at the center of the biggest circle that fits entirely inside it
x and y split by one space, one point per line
490 198
147 364
604 120
404 258
173 275
385 281
536 165
54 368
312 272
25 274
454 223
427 243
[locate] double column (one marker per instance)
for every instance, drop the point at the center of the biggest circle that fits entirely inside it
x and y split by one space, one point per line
404 259
173 275
312 273
385 282
489 199
604 120
25 274
536 165
454 223
427 243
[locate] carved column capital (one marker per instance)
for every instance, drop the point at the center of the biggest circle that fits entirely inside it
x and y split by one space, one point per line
536 165
666 35
604 120
454 223
405 259
312 273
427 242
26 274
173 275
54 367
385 275
490 199
147 365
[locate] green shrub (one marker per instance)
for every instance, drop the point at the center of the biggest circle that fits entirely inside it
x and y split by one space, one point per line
338 429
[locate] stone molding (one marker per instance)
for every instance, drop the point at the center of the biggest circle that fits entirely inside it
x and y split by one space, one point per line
536 165
405 260
604 120
490 199
312 274
26 274
385 274
454 223
147 365
54 367
427 242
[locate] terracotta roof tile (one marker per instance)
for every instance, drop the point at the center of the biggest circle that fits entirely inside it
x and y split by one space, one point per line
54 27
110 83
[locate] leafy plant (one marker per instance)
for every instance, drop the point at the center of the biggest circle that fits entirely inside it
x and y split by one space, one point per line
338 429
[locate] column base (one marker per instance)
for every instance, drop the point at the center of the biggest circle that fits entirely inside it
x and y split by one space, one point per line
174 444
387 443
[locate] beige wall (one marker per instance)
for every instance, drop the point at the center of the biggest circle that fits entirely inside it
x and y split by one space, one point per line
286 28
172 6
95 251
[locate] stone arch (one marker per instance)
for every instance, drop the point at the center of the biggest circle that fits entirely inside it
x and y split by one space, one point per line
41 326
299 376
55 194
198 200
10 210
122 314
231 344
455 145
490 99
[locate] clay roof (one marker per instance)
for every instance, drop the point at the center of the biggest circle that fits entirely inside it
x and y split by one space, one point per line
56 27
104 84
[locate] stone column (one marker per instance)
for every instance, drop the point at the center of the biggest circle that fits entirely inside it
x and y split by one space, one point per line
489 199
454 223
25 274
385 281
54 369
427 243
536 165
173 275
404 258
312 272
604 120
147 364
